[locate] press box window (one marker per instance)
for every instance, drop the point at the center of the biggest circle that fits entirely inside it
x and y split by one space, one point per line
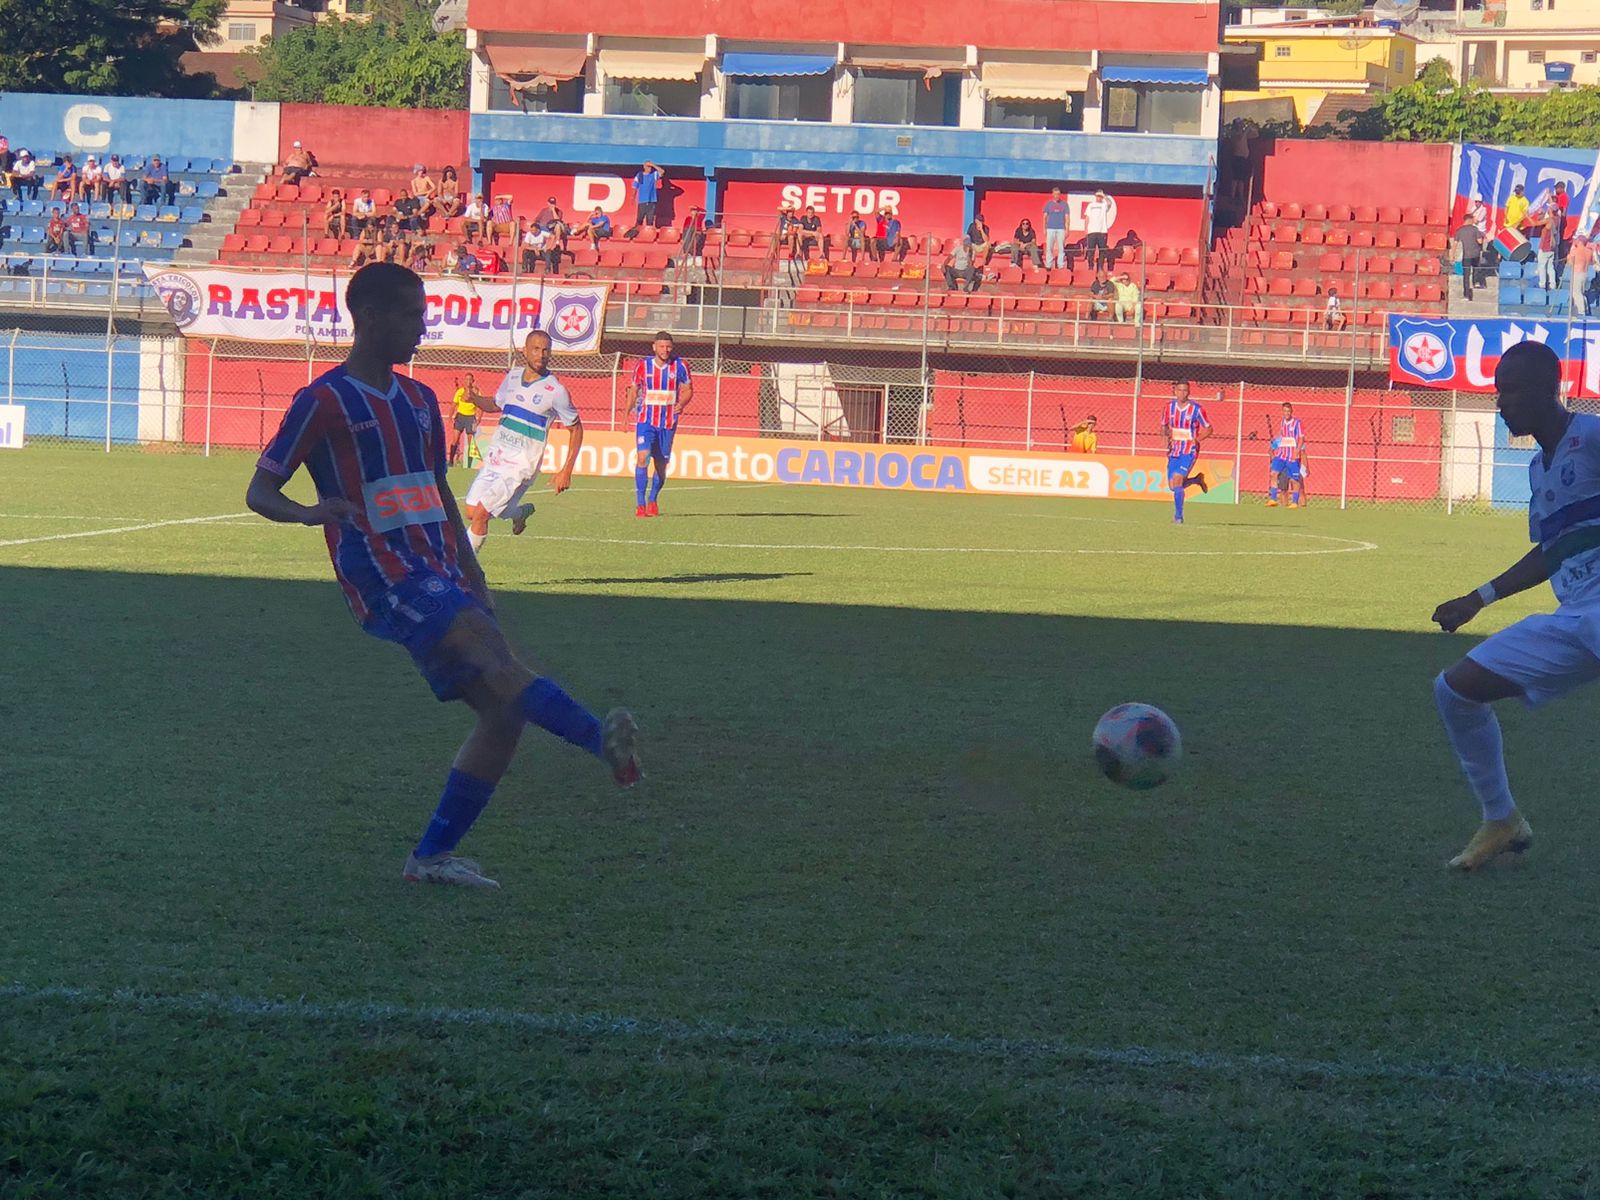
652 97
1143 108
563 97
906 98
1062 115
780 98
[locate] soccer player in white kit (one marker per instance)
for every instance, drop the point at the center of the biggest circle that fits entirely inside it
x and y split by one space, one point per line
529 400
1545 656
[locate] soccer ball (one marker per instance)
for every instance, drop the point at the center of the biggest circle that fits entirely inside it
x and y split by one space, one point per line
1137 745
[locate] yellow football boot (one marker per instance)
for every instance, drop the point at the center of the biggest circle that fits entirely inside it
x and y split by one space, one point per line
1272 504
1513 835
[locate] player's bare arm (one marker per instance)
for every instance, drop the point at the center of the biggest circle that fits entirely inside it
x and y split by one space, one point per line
685 394
265 498
562 479
1532 569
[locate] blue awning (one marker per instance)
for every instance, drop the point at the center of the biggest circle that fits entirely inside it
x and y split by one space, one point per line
739 63
1172 76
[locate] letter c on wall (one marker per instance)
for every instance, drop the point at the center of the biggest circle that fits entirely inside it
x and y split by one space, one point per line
77 116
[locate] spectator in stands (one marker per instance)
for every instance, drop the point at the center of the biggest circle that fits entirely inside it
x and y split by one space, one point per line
982 243
693 238
1560 199
1128 306
366 244
159 187
299 164
1127 247
880 231
1516 208
117 184
475 217
91 180
25 176
647 192
553 219
502 222
892 242
1097 223
422 255
809 232
597 228
1102 294
1055 230
1334 318
336 217
55 233
539 247
7 159
1084 438
855 237
362 211
450 199
1580 264
424 189
79 230
1024 243
391 233
960 265
460 260
408 214
65 185
1547 240
1469 239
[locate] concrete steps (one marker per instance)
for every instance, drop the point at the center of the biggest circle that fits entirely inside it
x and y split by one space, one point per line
222 213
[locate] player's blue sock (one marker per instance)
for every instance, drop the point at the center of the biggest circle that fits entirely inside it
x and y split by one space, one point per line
464 798
641 476
1177 503
548 707
655 485
1272 492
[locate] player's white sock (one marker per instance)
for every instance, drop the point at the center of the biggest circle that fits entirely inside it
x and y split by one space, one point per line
1474 733
476 540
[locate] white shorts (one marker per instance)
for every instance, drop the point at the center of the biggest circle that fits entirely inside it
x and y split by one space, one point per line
498 490
1546 655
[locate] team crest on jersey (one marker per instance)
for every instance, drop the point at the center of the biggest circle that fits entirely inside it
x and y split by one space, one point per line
1569 474
181 295
573 317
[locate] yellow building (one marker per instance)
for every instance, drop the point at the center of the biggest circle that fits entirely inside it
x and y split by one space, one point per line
1528 44
1306 61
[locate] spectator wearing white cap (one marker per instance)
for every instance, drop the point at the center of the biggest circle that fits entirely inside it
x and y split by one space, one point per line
299 164
25 176
92 180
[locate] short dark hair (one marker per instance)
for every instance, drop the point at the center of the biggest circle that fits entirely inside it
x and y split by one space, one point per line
377 284
545 334
1538 366
662 334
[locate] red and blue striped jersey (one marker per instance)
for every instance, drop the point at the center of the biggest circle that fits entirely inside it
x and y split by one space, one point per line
1184 421
1290 440
384 453
656 385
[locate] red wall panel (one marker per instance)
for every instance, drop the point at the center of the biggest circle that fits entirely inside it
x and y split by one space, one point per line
581 189
376 137
1400 173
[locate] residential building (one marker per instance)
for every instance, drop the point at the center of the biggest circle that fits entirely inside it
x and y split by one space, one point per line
1308 61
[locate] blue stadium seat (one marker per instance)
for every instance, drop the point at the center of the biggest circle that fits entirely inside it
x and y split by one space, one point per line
172 239
98 289
1508 269
100 210
1510 294
1560 300
192 214
177 164
207 189
32 208
168 212
1536 297
32 235
129 239
146 212
134 163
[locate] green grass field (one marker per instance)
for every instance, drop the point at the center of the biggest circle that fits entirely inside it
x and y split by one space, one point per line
872 927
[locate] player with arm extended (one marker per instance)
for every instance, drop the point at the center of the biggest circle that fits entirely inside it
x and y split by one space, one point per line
662 390
1184 428
1547 655
374 445
529 400
1288 459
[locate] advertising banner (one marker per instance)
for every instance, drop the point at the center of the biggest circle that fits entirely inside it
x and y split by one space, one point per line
1462 354
899 468
755 202
13 426
463 314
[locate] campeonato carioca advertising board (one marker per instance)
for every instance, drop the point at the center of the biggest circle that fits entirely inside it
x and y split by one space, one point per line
905 468
466 314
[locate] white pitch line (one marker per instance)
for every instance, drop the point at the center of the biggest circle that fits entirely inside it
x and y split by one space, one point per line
599 1025
1350 546
88 533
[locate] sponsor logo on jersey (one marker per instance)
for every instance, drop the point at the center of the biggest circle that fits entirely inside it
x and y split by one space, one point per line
398 500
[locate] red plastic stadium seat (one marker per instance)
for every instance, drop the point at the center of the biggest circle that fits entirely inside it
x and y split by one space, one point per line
1331 261
1411 239
1291 212
273 218
1254 285
1280 287
1304 288
1267 209
1316 212
250 216
1339 214
1430 293
1338 237
1283 260
646 236
1313 235
310 193
1435 240
1429 266
1438 218
1377 264
382 197
1167 257
1413 216
1190 257
286 193
1364 238
1386 239
1377 289
1404 266
1188 281
234 243
281 245
326 248
1159 281
1389 214
1365 215
257 244
1283 231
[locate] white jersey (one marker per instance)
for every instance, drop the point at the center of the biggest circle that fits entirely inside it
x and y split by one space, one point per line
526 411
1564 512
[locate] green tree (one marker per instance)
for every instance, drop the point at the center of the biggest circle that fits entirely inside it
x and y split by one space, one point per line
1565 117
393 61
1425 112
1437 73
104 47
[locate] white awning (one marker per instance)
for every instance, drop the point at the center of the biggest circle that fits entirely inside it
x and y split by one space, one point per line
1032 81
530 66
928 70
652 64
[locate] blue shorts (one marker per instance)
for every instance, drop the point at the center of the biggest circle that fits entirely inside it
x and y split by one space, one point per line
417 612
1181 464
1278 465
1291 471
655 441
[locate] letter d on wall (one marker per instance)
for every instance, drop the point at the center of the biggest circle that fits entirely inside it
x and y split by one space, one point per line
591 190
79 115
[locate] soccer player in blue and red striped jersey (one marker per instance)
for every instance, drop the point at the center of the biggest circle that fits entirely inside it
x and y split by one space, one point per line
662 389
1185 427
374 445
1288 454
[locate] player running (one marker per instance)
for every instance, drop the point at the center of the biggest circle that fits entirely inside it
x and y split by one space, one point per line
374 444
1545 656
529 399
1288 458
662 390
1185 427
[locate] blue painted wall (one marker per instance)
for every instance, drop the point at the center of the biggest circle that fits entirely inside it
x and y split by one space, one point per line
61 378
118 125
1112 158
